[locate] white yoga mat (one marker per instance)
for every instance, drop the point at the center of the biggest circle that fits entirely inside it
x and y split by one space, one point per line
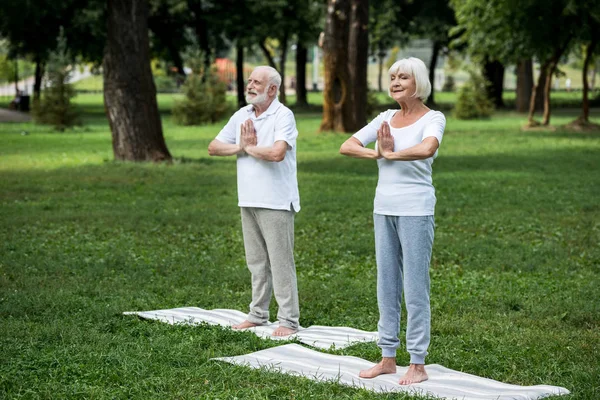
443 382
322 337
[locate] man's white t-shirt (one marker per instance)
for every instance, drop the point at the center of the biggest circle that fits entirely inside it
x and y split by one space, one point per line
266 184
405 187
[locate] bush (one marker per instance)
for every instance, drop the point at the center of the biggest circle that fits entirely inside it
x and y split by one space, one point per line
54 107
166 84
205 100
449 84
472 100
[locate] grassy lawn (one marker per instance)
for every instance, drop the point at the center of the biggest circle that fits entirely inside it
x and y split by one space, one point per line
515 270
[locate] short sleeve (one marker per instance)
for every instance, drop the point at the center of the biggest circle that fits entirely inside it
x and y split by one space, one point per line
285 128
435 127
368 134
229 132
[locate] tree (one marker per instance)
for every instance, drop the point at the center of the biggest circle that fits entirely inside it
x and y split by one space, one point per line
289 18
32 26
336 98
383 33
344 27
54 107
358 58
512 31
129 91
431 19
589 36
168 20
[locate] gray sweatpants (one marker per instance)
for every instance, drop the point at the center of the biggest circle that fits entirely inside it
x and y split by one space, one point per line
403 251
269 245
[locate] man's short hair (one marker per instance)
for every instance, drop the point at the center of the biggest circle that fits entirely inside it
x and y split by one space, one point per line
417 69
273 77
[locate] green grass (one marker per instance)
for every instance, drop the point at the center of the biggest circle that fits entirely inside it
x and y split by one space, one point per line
515 267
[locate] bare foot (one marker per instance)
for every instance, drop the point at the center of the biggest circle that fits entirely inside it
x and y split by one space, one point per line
387 365
283 331
244 325
415 374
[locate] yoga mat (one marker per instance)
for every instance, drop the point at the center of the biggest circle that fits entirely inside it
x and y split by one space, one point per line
322 337
443 382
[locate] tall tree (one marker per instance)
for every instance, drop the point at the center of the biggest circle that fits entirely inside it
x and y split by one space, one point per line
337 114
307 32
430 19
345 51
358 58
588 35
525 85
129 91
514 30
384 31
168 20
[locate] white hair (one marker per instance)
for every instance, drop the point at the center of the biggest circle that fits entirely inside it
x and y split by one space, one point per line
273 77
416 68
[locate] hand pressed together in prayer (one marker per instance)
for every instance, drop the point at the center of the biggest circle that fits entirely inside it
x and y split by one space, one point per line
385 140
248 136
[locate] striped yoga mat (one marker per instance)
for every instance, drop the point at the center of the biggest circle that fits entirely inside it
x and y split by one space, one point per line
443 382
322 337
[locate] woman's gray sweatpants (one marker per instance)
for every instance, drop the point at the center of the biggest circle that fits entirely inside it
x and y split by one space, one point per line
269 245
403 251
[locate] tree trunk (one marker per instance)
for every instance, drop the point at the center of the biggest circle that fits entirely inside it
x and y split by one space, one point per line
39 75
16 77
494 73
267 53
336 77
358 54
176 57
272 63
380 59
539 89
585 108
284 45
434 58
558 52
534 92
301 59
239 72
129 90
524 85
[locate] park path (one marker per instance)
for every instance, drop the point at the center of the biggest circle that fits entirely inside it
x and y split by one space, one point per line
26 85
13 116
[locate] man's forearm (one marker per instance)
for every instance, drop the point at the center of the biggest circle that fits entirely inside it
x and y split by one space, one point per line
216 148
266 153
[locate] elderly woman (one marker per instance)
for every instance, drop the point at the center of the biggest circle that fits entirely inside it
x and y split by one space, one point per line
407 141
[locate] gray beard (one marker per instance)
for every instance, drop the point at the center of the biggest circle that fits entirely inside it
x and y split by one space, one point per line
258 99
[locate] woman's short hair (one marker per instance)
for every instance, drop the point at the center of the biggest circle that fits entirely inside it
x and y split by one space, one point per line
273 77
417 69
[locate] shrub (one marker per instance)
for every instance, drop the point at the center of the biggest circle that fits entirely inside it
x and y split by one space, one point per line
205 100
54 107
472 100
449 84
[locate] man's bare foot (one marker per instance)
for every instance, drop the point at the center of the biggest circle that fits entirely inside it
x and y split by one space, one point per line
283 331
387 365
415 374
244 325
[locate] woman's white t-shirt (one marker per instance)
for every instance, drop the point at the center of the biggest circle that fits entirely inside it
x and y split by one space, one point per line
405 187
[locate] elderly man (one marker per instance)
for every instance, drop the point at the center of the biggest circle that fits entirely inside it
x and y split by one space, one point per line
263 137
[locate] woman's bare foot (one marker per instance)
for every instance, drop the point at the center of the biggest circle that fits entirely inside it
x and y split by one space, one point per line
244 325
387 365
415 374
283 331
